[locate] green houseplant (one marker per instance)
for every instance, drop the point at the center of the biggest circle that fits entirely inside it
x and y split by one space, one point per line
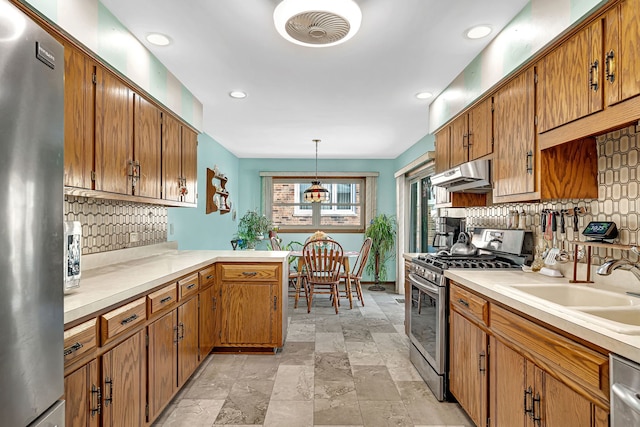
382 231
251 229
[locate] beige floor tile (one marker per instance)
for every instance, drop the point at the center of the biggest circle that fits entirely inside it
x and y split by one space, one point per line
336 411
293 383
330 342
383 414
194 413
289 413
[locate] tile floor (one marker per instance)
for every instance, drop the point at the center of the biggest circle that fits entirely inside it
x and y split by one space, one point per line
350 369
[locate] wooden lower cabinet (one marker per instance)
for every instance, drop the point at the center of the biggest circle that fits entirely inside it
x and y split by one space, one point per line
250 314
468 378
82 396
523 394
208 321
172 354
123 383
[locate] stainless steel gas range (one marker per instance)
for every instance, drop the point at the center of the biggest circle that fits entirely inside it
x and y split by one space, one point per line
429 314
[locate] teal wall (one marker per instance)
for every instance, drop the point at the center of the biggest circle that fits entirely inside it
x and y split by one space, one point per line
427 143
192 227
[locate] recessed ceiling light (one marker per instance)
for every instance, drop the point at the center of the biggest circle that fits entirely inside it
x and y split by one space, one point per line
237 94
478 32
424 95
158 39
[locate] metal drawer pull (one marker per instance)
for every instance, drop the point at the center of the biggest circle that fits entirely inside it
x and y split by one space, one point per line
191 286
463 302
98 393
210 276
129 319
109 399
72 349
249 273
275 303
166 299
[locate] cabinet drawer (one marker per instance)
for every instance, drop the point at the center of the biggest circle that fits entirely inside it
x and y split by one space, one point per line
188 286
122 319
207 277
469 303
162 298
556 353
79 340
249 272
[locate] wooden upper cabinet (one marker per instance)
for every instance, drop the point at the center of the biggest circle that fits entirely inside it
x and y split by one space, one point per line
442 149
570 79
515 140
621 55
480 139
459 148
189 164
147 148
78 118
114 133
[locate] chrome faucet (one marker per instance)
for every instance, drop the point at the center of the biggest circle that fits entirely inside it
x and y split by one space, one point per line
614 264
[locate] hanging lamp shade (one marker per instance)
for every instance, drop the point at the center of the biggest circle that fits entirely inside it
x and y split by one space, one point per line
316 193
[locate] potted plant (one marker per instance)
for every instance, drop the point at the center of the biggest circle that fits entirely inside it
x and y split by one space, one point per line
382 231
251 229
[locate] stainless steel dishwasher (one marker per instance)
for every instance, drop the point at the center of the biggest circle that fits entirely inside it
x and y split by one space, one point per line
625 392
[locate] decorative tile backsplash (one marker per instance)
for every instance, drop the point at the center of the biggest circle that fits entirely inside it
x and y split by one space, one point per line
618 198
107 224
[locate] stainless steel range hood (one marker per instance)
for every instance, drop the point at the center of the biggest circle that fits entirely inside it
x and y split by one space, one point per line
470 177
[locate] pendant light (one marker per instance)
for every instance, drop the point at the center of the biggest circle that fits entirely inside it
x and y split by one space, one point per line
316 193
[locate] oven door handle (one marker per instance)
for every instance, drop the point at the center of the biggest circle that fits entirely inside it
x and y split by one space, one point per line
423 284
627 395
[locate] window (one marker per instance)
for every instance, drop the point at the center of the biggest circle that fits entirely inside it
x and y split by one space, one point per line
346 211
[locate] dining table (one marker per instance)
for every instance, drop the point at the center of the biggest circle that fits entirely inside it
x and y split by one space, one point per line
345 259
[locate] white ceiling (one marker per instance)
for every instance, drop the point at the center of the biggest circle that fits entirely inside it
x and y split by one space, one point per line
358 97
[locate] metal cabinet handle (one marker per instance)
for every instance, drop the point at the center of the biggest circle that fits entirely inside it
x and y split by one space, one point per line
463 302
97 392
537 418
108 381
249 273
530 162
213 303
191 286
181 326
610 66
275 303
166 299
481 365
465 136
129 319
593 76
528 409
72 349
177 335
210 276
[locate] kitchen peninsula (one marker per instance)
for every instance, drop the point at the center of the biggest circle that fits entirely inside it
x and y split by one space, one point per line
150 320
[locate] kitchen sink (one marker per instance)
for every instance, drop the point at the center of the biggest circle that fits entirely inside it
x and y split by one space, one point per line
625 320
578 295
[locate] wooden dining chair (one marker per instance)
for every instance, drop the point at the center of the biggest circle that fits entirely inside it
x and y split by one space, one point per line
352 279
323 265
296 278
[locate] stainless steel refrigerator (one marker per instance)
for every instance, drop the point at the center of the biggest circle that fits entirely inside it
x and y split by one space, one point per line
31 223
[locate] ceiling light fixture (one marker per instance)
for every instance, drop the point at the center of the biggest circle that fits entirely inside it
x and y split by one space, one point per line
478 32
317 23
316 193
238 94
158 39
424 95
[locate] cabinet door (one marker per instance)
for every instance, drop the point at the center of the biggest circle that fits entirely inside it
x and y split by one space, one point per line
480 138
468 370
114 133
123 383
569 79
459 147
78 118
249 313
190 164
442 149
508 386
171 173
207 329
561 406
146 149
188 340
81 389
162 362
622 32
514 132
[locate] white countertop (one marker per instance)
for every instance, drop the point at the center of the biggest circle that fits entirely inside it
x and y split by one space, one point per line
102 287
491 284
